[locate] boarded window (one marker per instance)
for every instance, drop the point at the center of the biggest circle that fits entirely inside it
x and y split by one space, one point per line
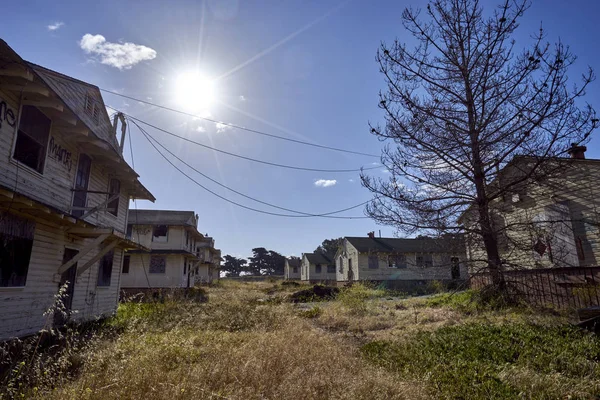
158 265
114 189
105 269
318 269
126 261
331 269
16 242
159 233
91 107
373 261
424 261
32 138
397 261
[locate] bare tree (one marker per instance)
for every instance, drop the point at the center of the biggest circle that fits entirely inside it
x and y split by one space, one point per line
461 105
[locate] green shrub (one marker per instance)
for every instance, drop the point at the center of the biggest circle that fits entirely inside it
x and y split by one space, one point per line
469 361
314 312
356 297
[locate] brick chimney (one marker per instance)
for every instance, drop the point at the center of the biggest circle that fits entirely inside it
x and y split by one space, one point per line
371 235
577 152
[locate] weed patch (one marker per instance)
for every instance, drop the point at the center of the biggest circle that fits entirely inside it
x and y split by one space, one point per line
486 361
313 312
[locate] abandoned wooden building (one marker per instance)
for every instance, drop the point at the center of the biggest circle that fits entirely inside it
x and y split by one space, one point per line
401 263
546 219
291 269
317 268
179 255
64 198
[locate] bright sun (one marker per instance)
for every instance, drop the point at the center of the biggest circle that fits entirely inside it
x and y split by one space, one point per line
194 91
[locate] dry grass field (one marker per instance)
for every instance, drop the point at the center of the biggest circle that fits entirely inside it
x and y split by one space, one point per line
248 342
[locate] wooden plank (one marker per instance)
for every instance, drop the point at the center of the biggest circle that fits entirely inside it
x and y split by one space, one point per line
93 245
55 105
87 232
27 88
98 256
18 72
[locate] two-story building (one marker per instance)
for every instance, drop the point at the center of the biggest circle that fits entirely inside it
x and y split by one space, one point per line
546 218
317 267
178 255
291 270
401 263
209 266
64 198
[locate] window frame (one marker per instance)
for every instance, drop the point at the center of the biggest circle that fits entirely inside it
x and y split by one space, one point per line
126 263
116 201
393 261
44 156
107 259
156 257
318 269
166 236
370 263
331 269
29 225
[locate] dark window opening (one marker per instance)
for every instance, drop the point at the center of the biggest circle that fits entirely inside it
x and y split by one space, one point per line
331 269
318 269
126 261
159 233
129 233
295 269
114 189
158 265
455 267
184 267
373 262
397 261
105 268
16 242
82 180
32 138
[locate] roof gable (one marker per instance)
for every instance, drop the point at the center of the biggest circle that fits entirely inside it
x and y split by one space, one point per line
73 93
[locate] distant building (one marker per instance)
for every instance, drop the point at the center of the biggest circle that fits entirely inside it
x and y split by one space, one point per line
317 268
209 266
179 255
64 197
292 268
400 263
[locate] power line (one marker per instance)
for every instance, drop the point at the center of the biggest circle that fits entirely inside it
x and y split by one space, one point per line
237 192
326 215
240 127
245 157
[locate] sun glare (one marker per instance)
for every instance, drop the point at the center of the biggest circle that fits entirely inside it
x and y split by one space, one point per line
194 91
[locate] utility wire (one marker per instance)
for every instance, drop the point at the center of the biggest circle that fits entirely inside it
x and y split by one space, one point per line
326 215
245 157
237 192
240 127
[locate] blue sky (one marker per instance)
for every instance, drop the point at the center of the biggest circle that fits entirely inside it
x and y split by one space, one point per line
300 69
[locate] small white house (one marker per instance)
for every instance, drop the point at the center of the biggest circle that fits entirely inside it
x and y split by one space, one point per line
179 255
292 268
400 263
64 198
317 268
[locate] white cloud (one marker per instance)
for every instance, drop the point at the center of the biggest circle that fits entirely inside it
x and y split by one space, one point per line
55 26
242 98
221 127
325 182
118 55
201 129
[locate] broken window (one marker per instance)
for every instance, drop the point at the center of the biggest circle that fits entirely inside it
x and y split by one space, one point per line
105 269
32 138
114 188
159 233
397 261
424 261
126 261
16 242
91 107
373 261
318 269
158 265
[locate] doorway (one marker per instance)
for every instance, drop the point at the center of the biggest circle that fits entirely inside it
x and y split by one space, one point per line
82 180
61 316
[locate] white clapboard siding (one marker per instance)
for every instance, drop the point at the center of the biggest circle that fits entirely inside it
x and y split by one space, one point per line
22 308
137 278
